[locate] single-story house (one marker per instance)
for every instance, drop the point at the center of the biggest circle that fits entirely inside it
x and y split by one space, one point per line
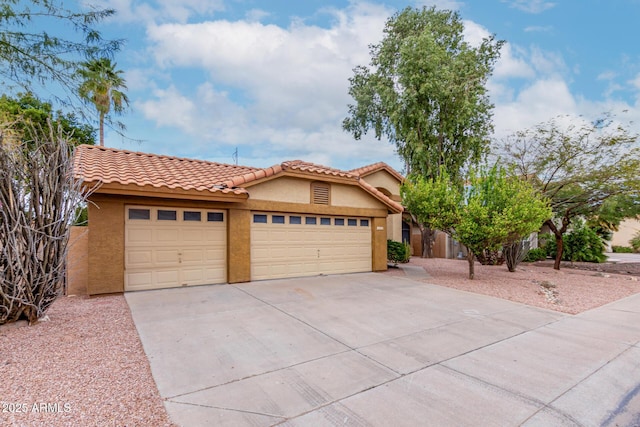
158 221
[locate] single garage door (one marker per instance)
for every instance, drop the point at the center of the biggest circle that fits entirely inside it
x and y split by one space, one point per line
168 247
293 245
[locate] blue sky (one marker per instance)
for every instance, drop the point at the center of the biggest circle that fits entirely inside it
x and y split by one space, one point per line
270 78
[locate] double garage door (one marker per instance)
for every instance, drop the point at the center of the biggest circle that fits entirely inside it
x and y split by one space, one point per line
294 245
170 247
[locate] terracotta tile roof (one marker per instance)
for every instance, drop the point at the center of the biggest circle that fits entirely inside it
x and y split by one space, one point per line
368 170
108 165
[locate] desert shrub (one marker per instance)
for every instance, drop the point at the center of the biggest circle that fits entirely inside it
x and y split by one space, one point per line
490 257
536 254
582 244
515 253
621 249
398 252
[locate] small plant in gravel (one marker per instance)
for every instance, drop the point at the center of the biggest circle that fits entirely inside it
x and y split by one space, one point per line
398 252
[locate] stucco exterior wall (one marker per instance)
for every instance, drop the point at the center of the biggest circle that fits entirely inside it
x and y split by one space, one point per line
347 195
285 189
379 244
239 246
628 228
382 179
106 245
394 227
78 261
295 190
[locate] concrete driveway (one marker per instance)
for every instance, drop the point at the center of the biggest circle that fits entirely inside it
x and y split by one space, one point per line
374 350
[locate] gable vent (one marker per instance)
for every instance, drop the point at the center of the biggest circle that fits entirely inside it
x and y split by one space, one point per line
320 193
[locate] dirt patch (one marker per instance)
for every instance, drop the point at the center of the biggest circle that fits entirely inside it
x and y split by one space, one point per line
570 290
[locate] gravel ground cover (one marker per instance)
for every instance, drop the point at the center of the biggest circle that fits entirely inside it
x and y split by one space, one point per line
572 290
85 366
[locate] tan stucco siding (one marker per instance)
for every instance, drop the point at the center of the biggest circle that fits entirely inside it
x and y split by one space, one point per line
285 189
394 227
293 190
239 246
382 179
379 244
106 245
352 196
77 261
627 229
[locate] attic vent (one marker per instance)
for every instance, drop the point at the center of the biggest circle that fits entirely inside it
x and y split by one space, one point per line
320 193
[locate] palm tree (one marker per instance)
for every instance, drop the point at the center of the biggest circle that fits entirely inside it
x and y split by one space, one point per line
102 86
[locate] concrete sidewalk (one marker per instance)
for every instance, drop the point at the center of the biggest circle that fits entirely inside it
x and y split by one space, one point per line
374 350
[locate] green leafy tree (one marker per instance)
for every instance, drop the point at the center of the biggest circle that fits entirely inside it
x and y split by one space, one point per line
424 90
33 51
492 211
499 211
103 86
25 113
586 170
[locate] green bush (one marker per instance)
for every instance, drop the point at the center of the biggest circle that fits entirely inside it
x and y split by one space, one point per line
621 249
536 254
582 244
635 242
398 252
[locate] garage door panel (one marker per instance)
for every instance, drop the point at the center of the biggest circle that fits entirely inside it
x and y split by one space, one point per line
163 253
139 257
294 250
167 277
139 236
166 235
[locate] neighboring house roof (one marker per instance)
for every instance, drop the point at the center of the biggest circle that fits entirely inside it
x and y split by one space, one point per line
375 167
101 165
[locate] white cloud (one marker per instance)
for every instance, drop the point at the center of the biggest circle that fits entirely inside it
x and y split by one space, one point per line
291 82
530 6
538 29
635 82
254 15
162 10
535 103
440 4
546 62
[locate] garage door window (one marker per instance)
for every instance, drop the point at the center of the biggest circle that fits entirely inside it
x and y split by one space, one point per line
325 221
215 217
140 214
260 219
339 221
295 220
310 220
192 216
166 215
364 223
352 222
277 219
